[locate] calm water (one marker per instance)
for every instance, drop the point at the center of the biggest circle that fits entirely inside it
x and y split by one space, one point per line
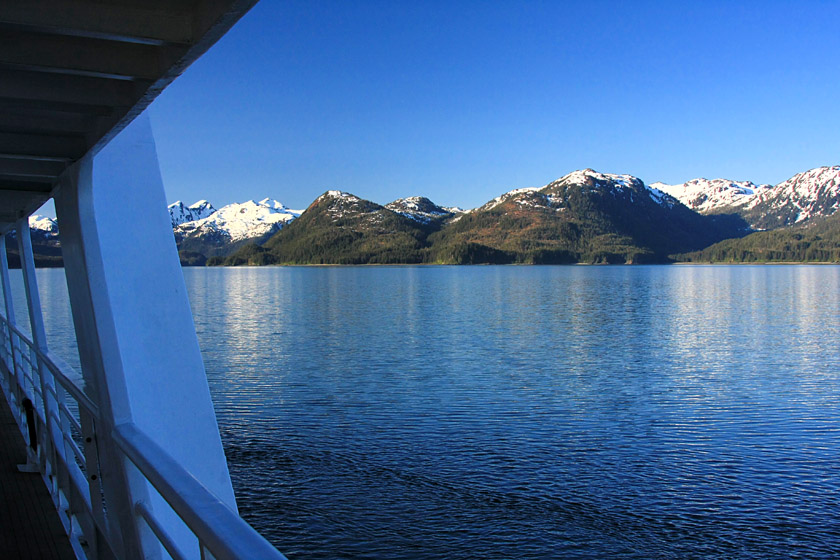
528 412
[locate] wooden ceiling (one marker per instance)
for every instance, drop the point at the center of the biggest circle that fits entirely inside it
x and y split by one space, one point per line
73 73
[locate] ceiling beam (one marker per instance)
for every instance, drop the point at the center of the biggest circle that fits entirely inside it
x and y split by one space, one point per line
60 123
24 188
19 167
153 24
85 56
72 147
56 108
19 182
81 90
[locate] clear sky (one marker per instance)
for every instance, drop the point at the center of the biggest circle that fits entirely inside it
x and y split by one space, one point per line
461 101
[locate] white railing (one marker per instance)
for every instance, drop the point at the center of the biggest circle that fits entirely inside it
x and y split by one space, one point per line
63 420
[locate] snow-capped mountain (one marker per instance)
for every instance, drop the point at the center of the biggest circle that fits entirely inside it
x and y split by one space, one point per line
620 183
241 221
234 224
586 178
710 195
179 213
811 194
584 216
46 245
43 226
421 209
348 210
340 203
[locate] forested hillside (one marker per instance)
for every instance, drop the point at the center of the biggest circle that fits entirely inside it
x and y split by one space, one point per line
818 241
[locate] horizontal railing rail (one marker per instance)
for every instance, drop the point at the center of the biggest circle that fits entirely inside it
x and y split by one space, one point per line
68 447
217 527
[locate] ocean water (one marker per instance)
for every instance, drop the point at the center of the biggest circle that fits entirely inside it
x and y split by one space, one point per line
528 412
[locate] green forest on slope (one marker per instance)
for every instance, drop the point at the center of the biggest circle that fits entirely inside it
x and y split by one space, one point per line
818 241
560 224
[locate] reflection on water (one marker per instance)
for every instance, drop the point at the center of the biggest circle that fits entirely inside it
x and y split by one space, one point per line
55 305
528 412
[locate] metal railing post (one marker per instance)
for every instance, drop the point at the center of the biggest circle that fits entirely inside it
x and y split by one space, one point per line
50 440
19 377
9 315
99 540
17 389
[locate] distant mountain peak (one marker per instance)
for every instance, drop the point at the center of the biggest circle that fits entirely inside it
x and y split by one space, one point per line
179 213
340 205
810 194
239 221
42 222
588 175
48 227
709 195
419 209
278 206
621 183
806 195
552 196
336 194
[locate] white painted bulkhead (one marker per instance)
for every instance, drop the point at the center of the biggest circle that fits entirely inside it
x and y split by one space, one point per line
137 341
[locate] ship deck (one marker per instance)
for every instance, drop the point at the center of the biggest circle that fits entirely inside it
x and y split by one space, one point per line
29 524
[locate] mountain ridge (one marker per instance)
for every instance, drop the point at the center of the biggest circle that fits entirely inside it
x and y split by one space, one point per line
584 216
814 193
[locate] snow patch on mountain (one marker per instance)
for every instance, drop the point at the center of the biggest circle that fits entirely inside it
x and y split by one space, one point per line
804 196
708 195
338 195
179 213
661 197
342 204
48 227
537 199
544 197
505 197
419 209
241 221
621 183
583 176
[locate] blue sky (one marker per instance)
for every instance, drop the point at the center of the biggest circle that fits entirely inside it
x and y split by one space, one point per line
462 101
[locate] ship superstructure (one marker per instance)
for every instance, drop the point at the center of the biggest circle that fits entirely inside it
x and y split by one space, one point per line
128 447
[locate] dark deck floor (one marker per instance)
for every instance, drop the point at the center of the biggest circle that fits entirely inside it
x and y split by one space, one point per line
29 524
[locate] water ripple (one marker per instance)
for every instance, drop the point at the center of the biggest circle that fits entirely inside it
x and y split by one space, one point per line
530 412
